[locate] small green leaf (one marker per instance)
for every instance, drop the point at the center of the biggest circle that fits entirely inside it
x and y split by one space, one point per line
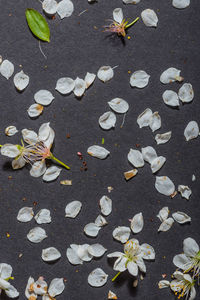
38 25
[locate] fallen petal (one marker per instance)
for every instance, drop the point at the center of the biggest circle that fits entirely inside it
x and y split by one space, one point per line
43 97
185 191
155 121
65 85
171 75
65 8
21 80
137 223
121 234
43 216
25 214
135 158
35 110
163 138
181 3
97 278
149 154
164 185
143 119
105 205
163 214
100 221
91 229
149 17
139 79
166 225
105 73
51 173
191 131
36 235
89 79
11 130
72 209
119 105
50 7
186 93
56 287
157 163
96 250
98 152
6 69
171 98
129 174
80 87
181 217
107 120
50 254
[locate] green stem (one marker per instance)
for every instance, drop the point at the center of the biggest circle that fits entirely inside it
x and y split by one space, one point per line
116 276
130 24
58 161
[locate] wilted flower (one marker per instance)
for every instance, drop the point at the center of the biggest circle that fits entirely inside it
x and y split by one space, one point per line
132 258
5 275
119 24
35 153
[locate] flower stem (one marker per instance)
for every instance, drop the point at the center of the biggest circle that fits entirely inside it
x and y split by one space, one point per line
130 24
116 276
60 162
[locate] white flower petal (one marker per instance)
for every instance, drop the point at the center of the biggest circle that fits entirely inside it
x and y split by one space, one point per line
185 191
139 79
11 130
137 223
155 121
105 205
120 264
100 221
191 131
43 216
38 169
11 292
83 253
6 69
164 185
181 3
190 247
119 105
131 1
35 110
163 284
157 163
105 73
89 79
25 214
65 85
118 15
171 75
50 254
18 163
29 136
141 265
56 287
193 177
121 234
50 7
91 229
186 93
5 271
96 250
148 252
97 278
72 209
166 224
182 261
132 268
135 158
10 150
149 17
21 80
143 119
65 8
36 235
51 173
171 98
73 257
4 284
163 214
98 152
107 120
44 131
163 138
115 254
181 217
149 154
80 87
43 97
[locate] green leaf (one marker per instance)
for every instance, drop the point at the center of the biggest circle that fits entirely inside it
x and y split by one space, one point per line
38 25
